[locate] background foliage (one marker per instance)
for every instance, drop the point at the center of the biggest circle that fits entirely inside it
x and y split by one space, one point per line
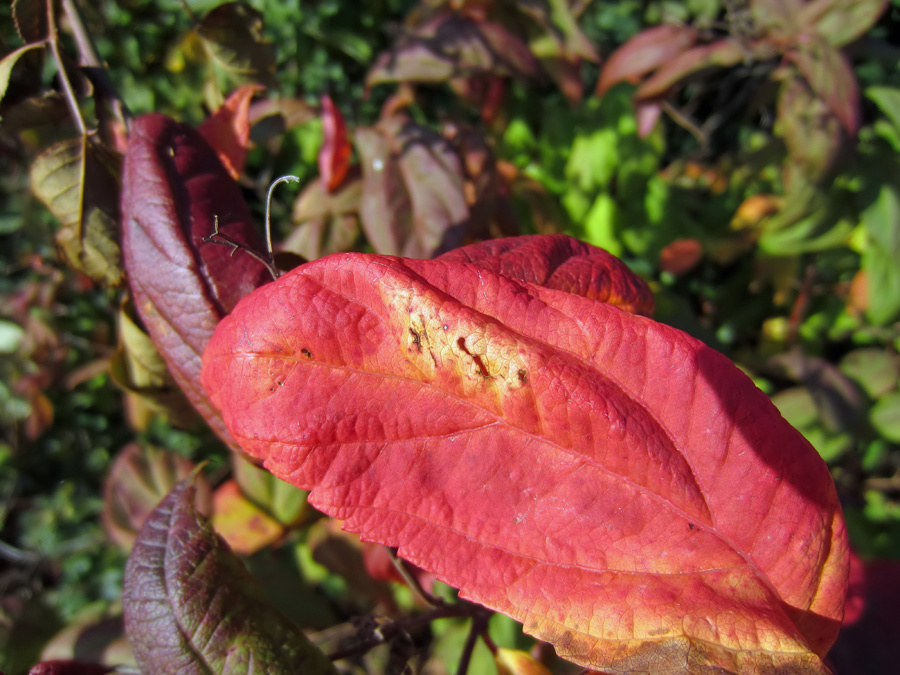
743 161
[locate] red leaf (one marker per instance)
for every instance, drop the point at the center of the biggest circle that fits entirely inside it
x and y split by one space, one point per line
173 184
727 52
334 157
831 78
644 53
562 263
228 129
613 483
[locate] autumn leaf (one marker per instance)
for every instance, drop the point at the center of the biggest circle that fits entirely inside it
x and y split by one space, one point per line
413 199
228 129
77 180
614 484
191 606
644 53
450 45
173 185
334 157
139 478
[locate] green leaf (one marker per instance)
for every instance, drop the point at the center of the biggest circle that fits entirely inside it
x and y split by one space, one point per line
840 21
9 61
882 222
885 416
876 370
191 607
283 501
79 182
234 42
888 101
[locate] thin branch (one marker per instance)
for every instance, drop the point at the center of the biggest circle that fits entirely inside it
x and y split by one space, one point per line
89 58
17 556
412 581
223 239
386 632
53 41
479 625
686 123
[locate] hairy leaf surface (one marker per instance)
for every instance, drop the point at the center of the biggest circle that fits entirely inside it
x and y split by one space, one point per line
191 607
173 185
614 484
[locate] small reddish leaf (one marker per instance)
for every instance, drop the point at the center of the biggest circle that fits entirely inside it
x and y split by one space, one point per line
681 256
613 483
449 46
173 185
228 129
727 52
561 263
644 53
831 78
334 157
191 606
413 200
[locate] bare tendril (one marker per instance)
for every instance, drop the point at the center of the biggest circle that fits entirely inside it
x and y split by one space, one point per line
282 179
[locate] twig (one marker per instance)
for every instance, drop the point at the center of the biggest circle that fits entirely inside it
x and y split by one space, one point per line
686 123
53 41
386 632
479 625
223 239
89 58
412 581
17 556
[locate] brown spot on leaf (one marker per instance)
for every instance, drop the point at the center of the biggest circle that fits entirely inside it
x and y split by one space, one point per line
461 343
306 353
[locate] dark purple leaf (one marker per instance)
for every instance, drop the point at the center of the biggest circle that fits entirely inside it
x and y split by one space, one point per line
173 186
191 607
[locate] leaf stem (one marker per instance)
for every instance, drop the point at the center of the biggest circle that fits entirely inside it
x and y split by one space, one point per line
90 59
479 625
53 41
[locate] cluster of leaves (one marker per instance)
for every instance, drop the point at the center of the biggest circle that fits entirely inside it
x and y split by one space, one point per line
501 415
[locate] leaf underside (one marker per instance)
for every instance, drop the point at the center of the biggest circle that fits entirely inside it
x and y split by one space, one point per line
617 486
